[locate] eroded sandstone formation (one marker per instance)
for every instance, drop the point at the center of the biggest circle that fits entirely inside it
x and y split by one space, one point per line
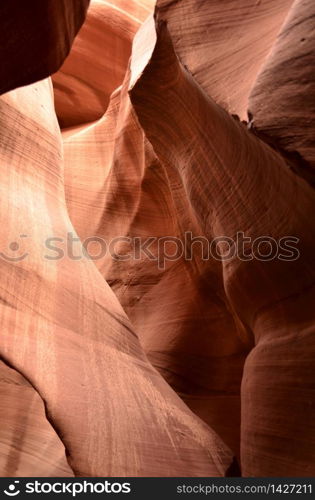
184 117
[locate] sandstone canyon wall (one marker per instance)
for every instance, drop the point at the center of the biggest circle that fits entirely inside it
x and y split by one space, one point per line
167 119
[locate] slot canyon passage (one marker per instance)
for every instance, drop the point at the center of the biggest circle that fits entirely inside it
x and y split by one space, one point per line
157 299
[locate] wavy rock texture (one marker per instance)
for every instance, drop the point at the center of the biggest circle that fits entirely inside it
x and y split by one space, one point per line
107 343
66 332
35 38
28 444
167 306
223 44
98 60
287 84
217 178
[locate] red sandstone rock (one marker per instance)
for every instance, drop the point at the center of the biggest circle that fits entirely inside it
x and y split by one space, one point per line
29 445
234 182
107 343
64 330
35 38
282 101
98 60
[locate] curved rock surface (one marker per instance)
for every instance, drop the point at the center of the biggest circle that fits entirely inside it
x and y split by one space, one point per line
223 44
217 178
151 355
282 101
64 330
35 38
28 444
98 60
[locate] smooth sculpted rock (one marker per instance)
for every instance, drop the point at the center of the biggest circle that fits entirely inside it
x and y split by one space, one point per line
157 244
